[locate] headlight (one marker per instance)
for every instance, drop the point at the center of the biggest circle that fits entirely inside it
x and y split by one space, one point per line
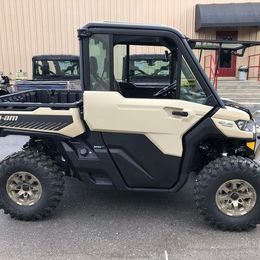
248 126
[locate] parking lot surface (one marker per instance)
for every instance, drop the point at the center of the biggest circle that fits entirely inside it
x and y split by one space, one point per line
91 224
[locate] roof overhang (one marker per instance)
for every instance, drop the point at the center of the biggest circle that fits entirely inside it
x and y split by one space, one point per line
227 15
236 47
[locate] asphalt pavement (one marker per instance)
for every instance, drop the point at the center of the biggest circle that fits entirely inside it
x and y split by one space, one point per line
91 224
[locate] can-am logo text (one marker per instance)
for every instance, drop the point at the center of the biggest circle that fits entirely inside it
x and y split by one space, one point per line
9 118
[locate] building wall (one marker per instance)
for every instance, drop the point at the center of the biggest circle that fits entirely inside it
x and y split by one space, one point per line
30 27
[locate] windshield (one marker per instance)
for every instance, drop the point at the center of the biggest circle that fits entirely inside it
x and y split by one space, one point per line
56 69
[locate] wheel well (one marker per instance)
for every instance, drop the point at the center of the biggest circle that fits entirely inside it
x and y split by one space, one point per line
213 148
50 147
204 143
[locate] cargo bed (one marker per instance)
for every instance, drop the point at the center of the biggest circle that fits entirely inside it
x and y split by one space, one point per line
41 112
42 98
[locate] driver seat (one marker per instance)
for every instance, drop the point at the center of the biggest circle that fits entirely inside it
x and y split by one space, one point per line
96 81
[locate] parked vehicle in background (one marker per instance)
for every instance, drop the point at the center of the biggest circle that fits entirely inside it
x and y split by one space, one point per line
4 84
143 67
52 72
55 67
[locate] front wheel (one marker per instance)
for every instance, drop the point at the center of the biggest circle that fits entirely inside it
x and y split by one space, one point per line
227 193
31 185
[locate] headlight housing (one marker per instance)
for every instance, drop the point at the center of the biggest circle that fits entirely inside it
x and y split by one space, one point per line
248 126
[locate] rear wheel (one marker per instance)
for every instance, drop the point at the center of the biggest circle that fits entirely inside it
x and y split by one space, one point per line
24 188
31 185
227 193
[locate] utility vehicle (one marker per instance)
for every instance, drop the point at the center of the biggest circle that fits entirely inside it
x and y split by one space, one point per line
114 135
4 84
52 72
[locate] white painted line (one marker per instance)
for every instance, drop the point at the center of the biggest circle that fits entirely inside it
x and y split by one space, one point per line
166 255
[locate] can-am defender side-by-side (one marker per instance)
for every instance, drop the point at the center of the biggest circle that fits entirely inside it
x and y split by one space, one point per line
115 135
52 72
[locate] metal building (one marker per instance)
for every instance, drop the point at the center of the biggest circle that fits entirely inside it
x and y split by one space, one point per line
31 27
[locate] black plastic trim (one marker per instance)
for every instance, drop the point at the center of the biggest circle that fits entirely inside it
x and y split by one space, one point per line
8 131
96 162
140 162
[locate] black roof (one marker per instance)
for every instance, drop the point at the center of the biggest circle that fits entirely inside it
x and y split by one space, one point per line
147 56
120 25
55 57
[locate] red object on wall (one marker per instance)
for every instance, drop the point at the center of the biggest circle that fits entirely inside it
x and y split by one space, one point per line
254 67
227 61
210 69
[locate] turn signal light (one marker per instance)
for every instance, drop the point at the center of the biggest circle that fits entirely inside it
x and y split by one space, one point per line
251 145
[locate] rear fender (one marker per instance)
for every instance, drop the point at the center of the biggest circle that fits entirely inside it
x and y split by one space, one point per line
43 120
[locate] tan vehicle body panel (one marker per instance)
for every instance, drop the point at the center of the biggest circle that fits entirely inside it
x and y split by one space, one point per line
225 118
72 130
111 112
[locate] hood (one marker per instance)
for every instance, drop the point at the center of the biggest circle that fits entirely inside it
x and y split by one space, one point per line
234 104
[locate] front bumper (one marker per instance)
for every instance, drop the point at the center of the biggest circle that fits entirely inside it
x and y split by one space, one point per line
257 148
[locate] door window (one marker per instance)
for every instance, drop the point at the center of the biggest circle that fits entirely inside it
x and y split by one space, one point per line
99 62
145 64
141 71
157 72
190 89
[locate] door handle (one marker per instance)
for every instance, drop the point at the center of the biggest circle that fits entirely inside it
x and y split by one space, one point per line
180 113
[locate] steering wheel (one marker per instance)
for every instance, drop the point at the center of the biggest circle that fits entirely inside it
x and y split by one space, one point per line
166 89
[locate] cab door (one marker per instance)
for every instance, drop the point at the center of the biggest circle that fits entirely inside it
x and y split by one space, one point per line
144 136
